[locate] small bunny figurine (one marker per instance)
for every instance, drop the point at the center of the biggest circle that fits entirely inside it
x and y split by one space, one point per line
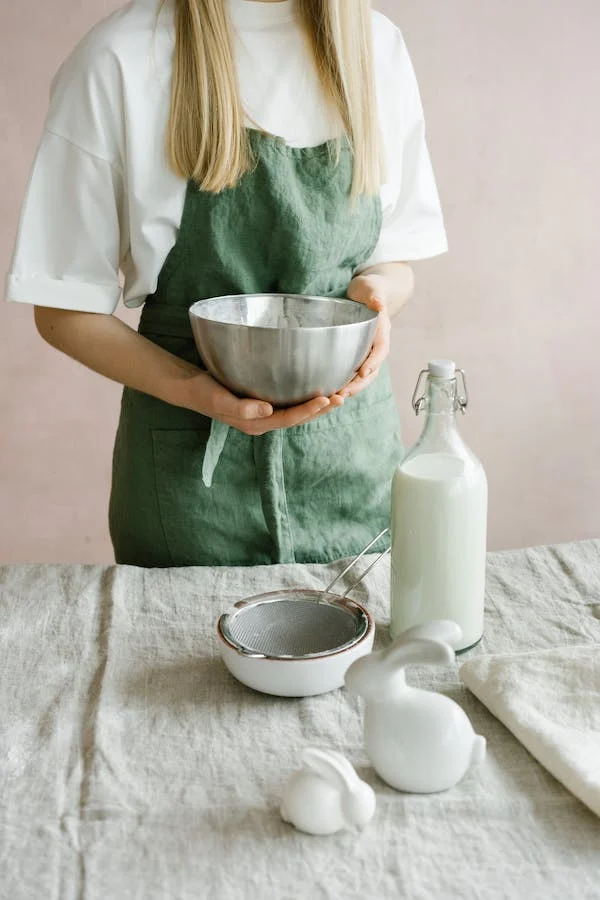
326 794
418 741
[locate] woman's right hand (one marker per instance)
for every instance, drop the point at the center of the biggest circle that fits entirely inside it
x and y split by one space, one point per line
253 417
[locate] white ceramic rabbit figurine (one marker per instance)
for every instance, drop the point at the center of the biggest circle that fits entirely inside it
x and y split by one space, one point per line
326 794
418 741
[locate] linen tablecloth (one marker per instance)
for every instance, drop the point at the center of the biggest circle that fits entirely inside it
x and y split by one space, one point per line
132 765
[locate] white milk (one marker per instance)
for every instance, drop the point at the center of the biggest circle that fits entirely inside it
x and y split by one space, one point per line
439 518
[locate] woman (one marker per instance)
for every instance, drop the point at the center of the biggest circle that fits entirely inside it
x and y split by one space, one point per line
209 147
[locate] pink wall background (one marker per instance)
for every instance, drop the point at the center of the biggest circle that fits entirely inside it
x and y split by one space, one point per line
510 91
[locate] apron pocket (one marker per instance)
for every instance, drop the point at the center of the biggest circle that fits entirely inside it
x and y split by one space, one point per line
338 481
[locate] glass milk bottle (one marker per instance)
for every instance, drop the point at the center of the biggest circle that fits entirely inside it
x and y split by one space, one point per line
439 516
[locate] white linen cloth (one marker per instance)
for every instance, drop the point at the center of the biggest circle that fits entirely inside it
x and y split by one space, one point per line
134 767
550 700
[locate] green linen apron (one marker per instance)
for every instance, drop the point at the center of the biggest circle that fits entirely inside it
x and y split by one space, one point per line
310 493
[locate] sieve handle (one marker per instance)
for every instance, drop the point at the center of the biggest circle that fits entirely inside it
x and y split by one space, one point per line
353 562
366 572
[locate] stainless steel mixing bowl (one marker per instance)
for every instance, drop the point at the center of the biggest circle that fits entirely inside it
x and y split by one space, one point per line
282 348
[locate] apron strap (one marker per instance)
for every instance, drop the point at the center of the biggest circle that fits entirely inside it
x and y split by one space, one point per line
269 461
214 448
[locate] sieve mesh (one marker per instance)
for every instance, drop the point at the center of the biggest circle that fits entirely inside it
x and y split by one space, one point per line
295 626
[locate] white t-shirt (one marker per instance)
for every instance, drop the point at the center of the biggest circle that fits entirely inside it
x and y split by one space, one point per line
101 197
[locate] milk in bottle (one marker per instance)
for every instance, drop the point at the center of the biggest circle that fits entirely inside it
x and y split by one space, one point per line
439 517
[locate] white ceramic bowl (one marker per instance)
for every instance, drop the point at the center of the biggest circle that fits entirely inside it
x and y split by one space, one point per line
325 635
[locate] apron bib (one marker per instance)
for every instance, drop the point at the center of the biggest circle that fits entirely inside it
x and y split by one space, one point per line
311 493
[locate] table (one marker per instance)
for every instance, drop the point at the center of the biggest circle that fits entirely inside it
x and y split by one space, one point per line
132 765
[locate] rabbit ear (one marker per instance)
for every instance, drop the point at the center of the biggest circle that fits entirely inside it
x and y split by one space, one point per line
417 651
371 675
331 766
438 630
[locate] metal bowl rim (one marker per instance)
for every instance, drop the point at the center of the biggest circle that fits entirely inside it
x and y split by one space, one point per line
194 314
320 597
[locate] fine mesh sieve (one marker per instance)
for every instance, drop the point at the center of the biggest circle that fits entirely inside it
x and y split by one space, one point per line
299 623
295 624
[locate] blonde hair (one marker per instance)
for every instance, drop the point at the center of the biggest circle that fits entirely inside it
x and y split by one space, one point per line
206 137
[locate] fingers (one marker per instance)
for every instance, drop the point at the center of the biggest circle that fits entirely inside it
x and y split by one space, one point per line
358 384
248 410
374 303
295 415
309 412
335 401
372 290
281 418
256 417
369 299
379 350
228 406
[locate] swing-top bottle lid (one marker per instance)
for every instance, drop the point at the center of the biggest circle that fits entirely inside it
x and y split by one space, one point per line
442 368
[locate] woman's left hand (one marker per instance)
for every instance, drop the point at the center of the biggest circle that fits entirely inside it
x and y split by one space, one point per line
372 290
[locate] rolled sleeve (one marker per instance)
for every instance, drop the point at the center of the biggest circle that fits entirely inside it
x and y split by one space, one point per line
71 236
62 293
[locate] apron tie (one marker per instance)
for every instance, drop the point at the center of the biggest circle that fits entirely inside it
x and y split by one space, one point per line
269 456
214 448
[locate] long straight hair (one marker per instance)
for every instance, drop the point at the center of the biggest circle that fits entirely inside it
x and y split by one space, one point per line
206 137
